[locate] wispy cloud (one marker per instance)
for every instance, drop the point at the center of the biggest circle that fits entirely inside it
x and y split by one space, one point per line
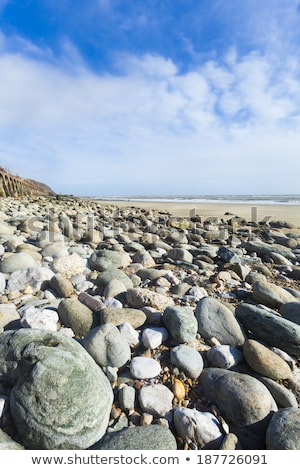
230 122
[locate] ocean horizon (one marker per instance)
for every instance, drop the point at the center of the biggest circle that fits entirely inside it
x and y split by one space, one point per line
281 199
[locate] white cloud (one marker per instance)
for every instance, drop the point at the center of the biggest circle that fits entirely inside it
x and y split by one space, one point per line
227 126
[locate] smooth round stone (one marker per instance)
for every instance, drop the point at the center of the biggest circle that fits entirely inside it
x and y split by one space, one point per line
15 262
144 367
69 265
188 359
271 295
202 428
56 249
152 437
113 273
242 399
153 337
73 314
139 297
270 328
6 229
224 356
114 288
62 286
144 258
265 362
45 319
61 399
107 346
181 323
291 311
101 260
117 316
126 398
215 320
9 316
156 399
283 432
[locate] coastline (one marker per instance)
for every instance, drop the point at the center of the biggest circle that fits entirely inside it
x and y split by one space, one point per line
289 213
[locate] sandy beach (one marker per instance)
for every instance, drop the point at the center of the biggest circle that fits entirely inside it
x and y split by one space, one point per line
273 212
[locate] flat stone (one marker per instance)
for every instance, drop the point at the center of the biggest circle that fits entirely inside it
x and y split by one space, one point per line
270 328
215 320
283 432
181 323
156 399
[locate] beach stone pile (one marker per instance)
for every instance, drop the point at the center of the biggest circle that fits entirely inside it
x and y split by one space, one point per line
133 329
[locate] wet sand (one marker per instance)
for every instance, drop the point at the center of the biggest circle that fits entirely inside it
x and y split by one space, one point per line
272 212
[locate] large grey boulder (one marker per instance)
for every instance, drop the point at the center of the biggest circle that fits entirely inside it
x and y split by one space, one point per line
216 320
242 399
270 328
60 397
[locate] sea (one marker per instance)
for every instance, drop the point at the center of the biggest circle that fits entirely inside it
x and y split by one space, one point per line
284 199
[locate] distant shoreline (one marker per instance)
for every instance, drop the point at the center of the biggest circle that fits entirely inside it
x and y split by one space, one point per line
289 213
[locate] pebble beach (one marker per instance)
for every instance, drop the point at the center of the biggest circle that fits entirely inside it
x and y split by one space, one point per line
141 325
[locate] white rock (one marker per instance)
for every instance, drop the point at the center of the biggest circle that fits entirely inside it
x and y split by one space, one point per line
224 356
156 399
202 428
153 337
144 367
39 319
110 302
69 265
127 398
198 292
2 282
130 334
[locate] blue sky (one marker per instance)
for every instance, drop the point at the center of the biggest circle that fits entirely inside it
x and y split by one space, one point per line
148 97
